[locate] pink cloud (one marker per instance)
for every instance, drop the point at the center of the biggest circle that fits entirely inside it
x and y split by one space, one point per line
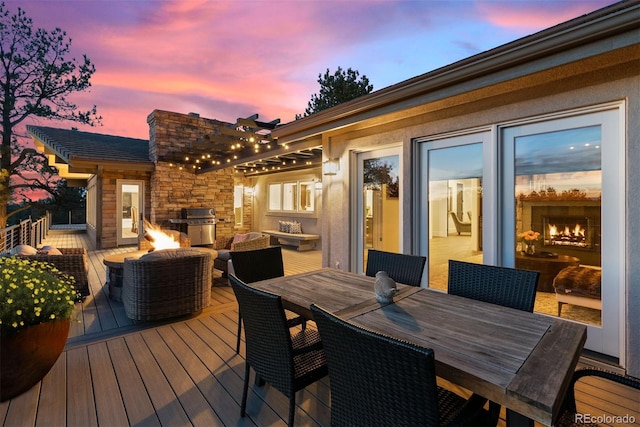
535 15
230 59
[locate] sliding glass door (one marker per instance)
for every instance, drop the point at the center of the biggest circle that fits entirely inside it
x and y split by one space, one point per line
563 198
545 194
452 187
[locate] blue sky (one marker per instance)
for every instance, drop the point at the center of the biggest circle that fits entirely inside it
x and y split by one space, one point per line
230 59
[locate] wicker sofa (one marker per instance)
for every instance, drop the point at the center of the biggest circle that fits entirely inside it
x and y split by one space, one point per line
166 283
238 242
72 261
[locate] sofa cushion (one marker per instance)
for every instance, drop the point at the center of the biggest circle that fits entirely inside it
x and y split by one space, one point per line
224 254
168 254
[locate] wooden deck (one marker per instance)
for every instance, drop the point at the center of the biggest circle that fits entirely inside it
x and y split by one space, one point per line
182 372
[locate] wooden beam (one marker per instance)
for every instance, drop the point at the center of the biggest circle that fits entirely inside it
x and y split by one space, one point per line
280 150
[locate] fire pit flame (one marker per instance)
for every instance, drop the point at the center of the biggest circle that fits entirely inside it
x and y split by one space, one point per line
158 238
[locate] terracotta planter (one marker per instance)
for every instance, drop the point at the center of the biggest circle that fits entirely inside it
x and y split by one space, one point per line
28 355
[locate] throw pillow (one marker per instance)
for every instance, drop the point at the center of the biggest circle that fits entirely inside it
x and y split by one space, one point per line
24 250
295 228
49 250
240 238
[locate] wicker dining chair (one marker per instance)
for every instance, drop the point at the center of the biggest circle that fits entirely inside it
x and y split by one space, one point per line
569 414
289 362
508 287
403 268
261 264
377 380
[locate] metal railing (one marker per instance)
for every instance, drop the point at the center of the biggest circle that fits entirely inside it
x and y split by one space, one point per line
27 232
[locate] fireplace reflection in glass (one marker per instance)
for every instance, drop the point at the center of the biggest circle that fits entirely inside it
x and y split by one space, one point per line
567 231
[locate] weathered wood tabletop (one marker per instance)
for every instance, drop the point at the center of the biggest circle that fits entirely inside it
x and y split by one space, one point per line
520 360
340 292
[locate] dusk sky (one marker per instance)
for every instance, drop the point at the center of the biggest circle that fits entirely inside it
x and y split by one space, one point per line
230 59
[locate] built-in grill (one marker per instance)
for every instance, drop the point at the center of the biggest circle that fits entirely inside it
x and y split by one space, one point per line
200 225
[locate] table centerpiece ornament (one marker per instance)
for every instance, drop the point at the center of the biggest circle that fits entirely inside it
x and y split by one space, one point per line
37 302
384 287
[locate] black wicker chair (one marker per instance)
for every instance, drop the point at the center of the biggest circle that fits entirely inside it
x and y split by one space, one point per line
402 268
508 287
261 264
378 380
568 416
288 362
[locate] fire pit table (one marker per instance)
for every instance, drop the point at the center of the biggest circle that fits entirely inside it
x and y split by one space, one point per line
115 272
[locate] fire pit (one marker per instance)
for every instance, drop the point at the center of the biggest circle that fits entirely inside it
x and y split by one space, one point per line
155 238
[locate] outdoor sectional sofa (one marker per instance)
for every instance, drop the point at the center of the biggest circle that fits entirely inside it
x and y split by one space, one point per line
71 261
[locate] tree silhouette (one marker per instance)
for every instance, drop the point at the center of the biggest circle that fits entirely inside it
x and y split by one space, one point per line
36 79
336 88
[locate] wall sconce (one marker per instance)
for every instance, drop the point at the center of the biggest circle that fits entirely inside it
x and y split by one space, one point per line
331 167
318 185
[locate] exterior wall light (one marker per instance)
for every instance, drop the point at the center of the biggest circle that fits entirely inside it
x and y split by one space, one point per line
331 167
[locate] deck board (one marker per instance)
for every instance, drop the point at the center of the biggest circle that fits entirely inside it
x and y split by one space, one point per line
52 404
109 405
136 401
184 371
81 410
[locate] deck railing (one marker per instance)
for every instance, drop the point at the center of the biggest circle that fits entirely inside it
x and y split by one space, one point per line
27 232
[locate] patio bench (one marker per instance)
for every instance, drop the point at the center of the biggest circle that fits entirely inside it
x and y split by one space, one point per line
303 241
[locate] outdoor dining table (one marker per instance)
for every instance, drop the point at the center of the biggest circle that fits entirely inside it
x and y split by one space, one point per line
520 360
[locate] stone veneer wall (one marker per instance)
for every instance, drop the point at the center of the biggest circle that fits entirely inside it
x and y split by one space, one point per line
172 189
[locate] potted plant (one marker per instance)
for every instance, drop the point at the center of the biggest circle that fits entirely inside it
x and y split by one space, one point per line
36 304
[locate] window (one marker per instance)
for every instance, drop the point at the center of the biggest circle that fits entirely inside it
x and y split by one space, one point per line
289 196
275 197
292 197
238 192
306 199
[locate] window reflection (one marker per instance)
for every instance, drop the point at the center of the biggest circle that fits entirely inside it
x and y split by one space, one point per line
558 189
455 209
